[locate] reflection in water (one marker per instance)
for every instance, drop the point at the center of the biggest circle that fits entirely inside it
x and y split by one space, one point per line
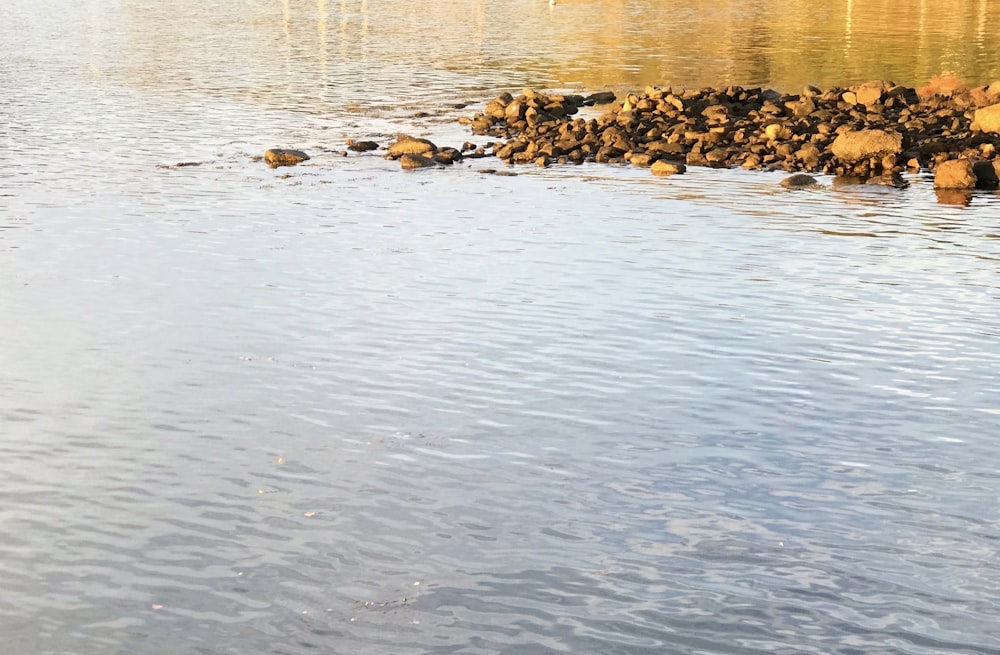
393 50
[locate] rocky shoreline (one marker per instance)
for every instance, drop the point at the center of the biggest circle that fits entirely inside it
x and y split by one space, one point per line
872 132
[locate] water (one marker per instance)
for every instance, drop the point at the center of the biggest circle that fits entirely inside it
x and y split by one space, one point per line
343 408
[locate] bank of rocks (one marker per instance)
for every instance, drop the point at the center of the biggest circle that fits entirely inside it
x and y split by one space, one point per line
869 130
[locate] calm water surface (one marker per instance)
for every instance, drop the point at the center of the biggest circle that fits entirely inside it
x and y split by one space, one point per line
340 408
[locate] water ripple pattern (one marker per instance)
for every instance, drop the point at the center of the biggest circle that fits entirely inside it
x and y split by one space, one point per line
345 408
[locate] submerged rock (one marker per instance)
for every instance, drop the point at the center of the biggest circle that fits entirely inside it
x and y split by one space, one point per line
281 157
799 181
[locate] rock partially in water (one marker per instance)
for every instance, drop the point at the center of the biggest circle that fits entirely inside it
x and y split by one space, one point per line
871 130
283 157
412 160
799 181
955 174
361 146
987 174
890 179
664 167
409 145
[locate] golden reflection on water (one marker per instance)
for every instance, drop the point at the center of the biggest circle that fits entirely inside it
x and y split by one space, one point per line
585 43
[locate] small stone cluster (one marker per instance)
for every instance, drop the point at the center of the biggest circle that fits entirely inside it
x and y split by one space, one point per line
871 131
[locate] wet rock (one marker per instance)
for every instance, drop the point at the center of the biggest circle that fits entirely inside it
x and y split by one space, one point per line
408 145
799 181
856 145
955 174
361 146
987 119
664 167
891 180
987 174
411 161
282 157
600 98
815 131
447 156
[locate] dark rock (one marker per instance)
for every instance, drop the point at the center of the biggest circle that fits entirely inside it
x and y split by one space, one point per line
799 181
891 179
361 146
447 156
986 173
600 98
281 157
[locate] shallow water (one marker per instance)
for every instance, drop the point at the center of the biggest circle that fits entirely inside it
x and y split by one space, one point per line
343 408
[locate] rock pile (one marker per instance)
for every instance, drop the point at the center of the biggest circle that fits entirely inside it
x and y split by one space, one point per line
872 131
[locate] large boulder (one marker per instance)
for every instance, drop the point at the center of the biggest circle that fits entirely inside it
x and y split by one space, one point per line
955 174
987 119
858 145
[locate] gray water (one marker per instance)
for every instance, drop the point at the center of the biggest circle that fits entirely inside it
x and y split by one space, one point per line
342 408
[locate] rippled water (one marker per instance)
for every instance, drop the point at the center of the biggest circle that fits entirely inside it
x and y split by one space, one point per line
342 408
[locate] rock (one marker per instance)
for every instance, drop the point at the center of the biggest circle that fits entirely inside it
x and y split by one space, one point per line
894 180
281 157
408 145
955 174
447 156
870 93
361 146
600 98
856 145
986 173
799 181
664 167
987 119
777 132
411 160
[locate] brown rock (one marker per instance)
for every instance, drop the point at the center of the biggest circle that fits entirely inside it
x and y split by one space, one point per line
955 174
987 119
871 92
856 145
361 146
799 181
411 160
664 167
408 145
280 157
